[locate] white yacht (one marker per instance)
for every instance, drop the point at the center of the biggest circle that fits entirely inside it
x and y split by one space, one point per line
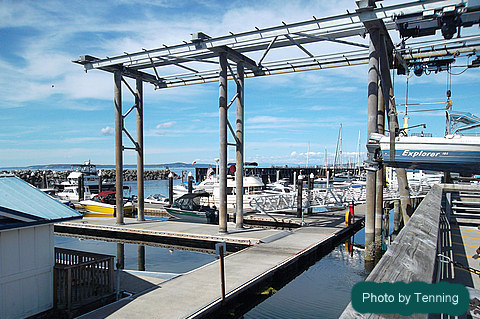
252 187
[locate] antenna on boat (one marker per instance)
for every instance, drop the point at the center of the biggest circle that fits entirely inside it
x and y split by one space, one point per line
338 151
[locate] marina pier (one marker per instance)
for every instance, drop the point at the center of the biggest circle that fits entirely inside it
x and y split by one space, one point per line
270 255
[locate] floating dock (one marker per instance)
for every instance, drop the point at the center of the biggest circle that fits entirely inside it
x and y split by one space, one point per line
267 254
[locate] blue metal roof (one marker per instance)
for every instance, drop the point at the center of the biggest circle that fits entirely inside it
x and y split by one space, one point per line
22 202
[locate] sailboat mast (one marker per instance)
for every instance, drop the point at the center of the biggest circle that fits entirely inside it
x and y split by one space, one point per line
358 154
308 153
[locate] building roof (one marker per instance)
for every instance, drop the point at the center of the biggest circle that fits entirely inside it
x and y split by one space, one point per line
22 205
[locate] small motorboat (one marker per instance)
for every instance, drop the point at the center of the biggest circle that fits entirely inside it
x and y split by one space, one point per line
194 207
104 205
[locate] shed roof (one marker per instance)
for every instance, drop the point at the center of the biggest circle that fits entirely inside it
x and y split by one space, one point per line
21 205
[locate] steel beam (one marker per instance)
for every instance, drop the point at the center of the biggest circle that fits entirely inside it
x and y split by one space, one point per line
240 145
140 176
222 115
118 147
248 41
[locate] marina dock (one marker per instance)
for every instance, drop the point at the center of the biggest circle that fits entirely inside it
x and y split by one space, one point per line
271 254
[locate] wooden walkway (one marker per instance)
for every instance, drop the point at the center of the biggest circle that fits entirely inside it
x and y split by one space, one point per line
197 294
427 247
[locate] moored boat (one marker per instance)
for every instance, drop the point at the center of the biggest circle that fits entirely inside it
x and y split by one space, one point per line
104 205
194 207
451 153
156 199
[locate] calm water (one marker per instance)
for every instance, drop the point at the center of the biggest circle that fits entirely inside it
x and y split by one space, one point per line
157 259
322 291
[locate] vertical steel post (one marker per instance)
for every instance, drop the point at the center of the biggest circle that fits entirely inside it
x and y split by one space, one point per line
118 147
310 190
222 115
100 181
190 182
380 172
222 272
140 177
170 188
80 188
299 196
239 145
141 257
371 128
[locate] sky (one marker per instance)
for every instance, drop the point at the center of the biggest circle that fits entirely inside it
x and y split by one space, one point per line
53 112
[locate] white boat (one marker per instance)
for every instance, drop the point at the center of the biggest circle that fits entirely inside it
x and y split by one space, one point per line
157 199
90 179
206 185
451 153
252 187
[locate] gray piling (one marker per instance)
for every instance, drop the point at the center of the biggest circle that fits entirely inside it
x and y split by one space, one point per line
310 190
190 182
118 147
299 196
222 115
170 188
239 146
373 76
139 149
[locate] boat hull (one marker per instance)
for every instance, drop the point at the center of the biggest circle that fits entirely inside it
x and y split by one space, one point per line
193 216
451 153
104 210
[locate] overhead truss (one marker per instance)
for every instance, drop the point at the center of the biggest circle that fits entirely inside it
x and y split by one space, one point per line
196 61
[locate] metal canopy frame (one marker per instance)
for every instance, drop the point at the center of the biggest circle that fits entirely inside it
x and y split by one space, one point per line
199 57
205 59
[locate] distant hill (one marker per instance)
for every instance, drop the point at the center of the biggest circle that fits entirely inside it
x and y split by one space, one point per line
65 167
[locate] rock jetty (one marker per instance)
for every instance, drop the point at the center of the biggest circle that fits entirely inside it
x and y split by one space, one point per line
48 178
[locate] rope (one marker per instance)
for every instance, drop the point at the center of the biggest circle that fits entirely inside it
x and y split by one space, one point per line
447 260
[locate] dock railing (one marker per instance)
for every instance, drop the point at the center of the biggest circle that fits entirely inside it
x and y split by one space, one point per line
81 277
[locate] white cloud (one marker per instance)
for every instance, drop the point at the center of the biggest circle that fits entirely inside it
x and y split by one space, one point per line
107 131
165 125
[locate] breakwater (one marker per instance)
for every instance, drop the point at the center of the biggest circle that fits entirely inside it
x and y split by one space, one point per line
47 178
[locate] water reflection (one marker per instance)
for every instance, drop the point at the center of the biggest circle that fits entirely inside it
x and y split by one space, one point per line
134 255
141 257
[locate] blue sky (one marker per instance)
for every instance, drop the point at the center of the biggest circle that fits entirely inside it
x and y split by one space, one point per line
53 112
